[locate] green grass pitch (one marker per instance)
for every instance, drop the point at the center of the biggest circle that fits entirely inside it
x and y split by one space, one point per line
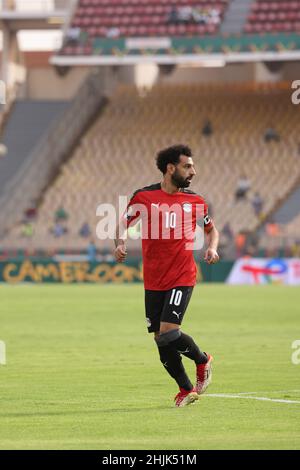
83 373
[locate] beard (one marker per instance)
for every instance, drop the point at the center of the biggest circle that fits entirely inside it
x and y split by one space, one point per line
179 181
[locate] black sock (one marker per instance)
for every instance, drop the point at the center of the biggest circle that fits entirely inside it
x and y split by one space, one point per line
186 345
172 362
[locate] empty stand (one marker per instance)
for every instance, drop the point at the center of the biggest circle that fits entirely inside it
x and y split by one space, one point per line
292 229
287 219
116 156
269 16
21 134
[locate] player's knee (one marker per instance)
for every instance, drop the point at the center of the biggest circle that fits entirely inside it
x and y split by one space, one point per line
164 339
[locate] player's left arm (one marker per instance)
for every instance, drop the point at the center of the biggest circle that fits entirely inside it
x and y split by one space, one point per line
211 254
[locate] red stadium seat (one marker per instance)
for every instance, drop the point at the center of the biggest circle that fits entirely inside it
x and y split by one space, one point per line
273 16
140 17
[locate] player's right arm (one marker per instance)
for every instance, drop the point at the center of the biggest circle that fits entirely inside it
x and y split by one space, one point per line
130 217
120 251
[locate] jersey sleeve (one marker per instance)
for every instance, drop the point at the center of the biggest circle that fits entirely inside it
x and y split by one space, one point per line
208 222
204 219
132 215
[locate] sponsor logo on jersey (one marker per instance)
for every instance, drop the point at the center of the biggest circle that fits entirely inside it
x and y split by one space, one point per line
187 207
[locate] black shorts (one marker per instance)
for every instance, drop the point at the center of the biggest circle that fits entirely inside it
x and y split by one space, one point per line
166 306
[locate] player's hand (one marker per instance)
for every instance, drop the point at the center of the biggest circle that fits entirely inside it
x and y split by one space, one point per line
120 253
211 256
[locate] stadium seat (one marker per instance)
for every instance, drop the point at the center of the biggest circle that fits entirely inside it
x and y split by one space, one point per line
282 15
116 155
108 15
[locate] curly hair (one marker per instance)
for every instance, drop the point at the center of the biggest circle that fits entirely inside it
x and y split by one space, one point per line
171 155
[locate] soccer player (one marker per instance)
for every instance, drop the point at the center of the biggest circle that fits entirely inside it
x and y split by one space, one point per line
169 214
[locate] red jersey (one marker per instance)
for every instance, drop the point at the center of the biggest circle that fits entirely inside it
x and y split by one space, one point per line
168 230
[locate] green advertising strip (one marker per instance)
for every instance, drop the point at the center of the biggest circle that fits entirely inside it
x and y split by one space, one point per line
67 272
216 272
242 43
203 45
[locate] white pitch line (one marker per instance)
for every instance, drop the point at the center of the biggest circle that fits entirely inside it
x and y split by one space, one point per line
268 391
241 397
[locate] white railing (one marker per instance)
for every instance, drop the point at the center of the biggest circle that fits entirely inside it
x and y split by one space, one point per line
34 175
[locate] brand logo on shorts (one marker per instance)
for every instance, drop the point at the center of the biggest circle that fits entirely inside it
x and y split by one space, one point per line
177 314
187 207
148 321
184 352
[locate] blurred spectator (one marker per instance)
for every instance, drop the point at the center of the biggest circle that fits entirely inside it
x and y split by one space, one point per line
61 214
27 230
227 242
200 15
271 134
227 232
72 36
92 251
173 16
252 242
185 14
215 17
242 188
272 229
206 15
257 204
240 243
31 212
295 249
207 128
85 230
113 33
59 230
